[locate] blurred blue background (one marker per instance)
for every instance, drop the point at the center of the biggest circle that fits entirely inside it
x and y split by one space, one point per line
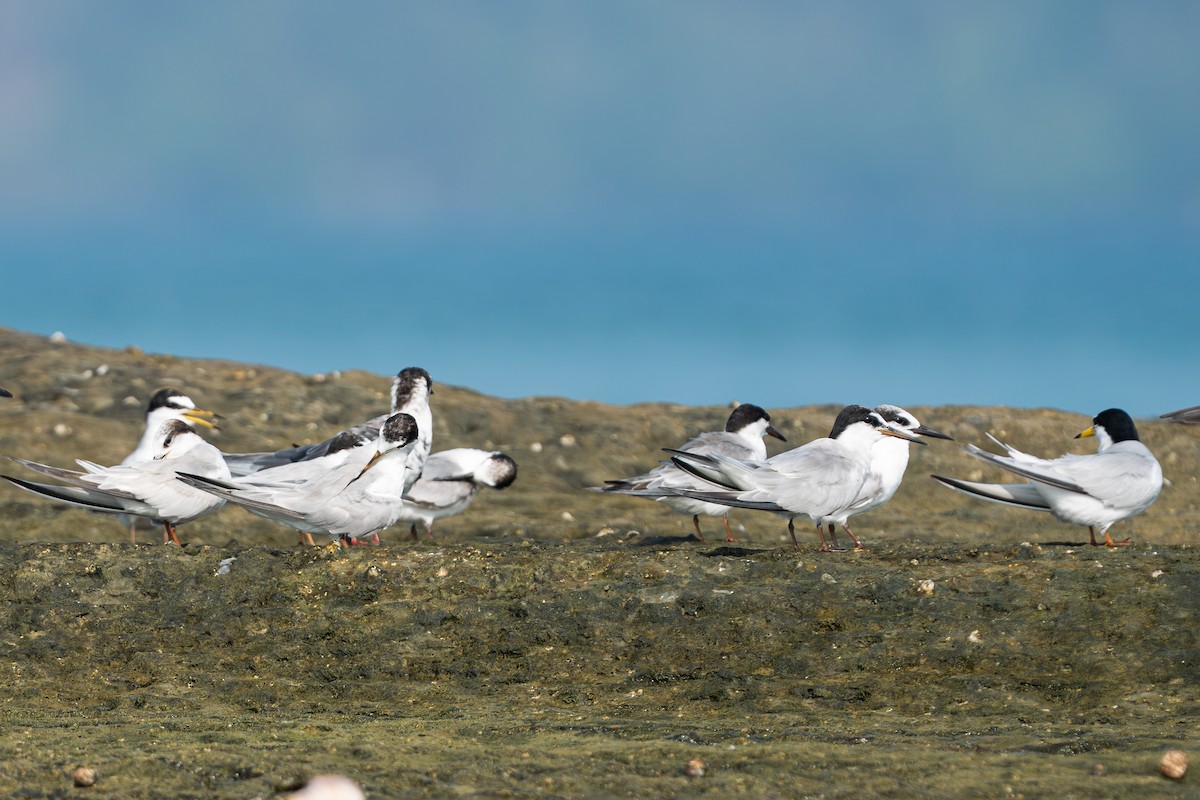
779 202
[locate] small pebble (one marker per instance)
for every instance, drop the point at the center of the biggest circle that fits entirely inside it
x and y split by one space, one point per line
1098 769
85 776
695 768
925 587
1174 764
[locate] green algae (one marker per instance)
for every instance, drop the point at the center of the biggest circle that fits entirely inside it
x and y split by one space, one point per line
519 669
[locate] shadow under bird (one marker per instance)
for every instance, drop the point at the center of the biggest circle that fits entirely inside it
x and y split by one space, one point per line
742 438
1120 480
355 498
820 480
146 488
450 481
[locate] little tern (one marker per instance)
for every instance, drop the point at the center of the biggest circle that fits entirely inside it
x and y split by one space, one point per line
449 483
355 498
885 470
1120 480
819 480
742 438
411 390
145 488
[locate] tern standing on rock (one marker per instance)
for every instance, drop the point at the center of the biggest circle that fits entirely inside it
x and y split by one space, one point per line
1120 480
820 480
145 488
449 483
411 390
742 438
356 498
166 404
885 470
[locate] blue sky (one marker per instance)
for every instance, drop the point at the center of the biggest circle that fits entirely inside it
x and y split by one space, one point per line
776 202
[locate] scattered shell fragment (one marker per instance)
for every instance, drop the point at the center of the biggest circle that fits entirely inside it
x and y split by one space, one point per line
536 447
926 587
85 776
827 578
1158 573
62 430
974 637
695 768
1174 764
566 440
442 572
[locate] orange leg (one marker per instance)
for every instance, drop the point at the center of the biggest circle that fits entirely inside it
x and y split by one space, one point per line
857 544
169 534
696 522
728 532
1108 540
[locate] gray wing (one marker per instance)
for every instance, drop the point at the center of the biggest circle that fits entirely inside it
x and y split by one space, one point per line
437 494
84 498
247 463
1047 472
1018 495
1188 416
226 491
1117 477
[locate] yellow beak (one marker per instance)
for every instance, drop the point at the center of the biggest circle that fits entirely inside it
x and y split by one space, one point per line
1085 434
202 417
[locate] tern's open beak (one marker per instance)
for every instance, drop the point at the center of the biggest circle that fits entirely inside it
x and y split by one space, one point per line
1091 431
932 433
900 434
772 432
202 417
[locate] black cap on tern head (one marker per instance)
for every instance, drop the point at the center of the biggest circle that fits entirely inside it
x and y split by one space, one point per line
168 398
400 428
852 414
1117 424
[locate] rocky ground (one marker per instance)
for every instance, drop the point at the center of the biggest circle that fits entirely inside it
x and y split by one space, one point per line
556 643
